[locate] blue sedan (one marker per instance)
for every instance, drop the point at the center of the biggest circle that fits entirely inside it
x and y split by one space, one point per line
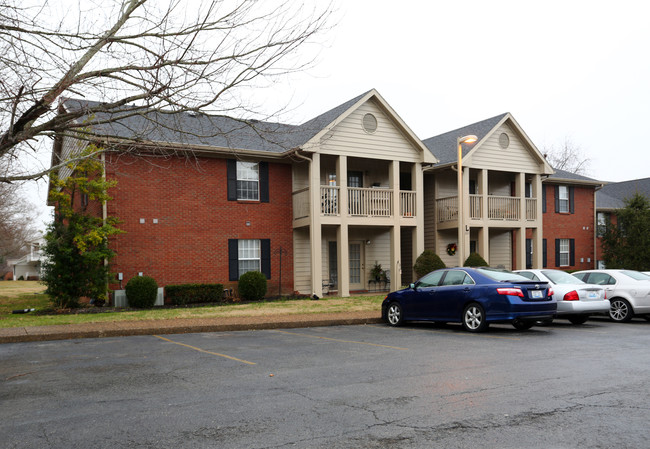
474 297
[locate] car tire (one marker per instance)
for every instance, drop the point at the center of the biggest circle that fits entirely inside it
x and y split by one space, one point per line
647 317
394 315
579 319
620 310
474 319
522 325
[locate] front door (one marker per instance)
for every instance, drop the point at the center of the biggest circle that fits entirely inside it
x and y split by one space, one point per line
356 266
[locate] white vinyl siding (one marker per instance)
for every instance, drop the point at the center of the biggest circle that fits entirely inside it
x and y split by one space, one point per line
501 249
387 142
517 157
301 261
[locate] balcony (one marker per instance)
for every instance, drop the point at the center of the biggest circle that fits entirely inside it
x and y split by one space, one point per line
362 202
499 208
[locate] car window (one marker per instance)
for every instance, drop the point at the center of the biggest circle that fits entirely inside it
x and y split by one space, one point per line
601 279
582 276
501 275
456 277
635 275
529 275
561 277
431 279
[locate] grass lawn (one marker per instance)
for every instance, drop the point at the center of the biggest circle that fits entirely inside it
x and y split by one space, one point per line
29 294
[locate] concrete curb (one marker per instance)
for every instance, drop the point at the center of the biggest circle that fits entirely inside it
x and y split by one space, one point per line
185 326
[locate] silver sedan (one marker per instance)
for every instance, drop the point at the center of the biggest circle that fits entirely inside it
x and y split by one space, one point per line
576 300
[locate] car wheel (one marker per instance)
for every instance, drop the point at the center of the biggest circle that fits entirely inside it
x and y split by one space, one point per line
474 318
521 325
620 310
394 314
647 317
579 319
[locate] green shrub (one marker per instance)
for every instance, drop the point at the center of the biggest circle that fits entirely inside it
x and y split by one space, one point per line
141 292
475 260
194 293
252 286
427 262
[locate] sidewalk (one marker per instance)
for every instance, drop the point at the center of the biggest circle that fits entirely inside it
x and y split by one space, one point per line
182 326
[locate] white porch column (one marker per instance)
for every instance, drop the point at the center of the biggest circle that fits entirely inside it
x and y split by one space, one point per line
395 234
342 239
538 230
418 241
315 231
520 192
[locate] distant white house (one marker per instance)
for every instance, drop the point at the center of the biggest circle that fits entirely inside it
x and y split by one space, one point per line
28 266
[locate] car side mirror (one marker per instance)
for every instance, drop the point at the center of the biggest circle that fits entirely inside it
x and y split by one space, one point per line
412 286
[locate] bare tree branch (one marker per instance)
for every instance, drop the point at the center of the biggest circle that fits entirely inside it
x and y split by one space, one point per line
164 56
568 157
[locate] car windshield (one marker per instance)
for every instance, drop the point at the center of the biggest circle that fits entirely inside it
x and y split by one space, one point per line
636 275
501 275
561 277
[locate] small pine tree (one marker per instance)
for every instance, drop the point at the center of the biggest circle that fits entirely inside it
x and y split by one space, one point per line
475 260
427 262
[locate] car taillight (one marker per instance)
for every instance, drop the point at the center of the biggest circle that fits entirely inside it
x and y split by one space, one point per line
572 296
550 292
510 291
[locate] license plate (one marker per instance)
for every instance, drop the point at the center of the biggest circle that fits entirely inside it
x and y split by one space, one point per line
536 294
592 295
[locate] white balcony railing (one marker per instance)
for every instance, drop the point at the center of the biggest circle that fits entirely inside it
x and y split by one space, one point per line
407 201
329 200
503 208
370 202
498 208
531 209
447 209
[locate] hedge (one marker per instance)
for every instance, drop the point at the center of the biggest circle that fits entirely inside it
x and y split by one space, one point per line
194 293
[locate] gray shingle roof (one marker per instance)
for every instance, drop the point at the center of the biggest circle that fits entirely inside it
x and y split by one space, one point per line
444 147
613 195
567 175
191 129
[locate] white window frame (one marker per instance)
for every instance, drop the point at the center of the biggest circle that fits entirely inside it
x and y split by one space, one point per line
565 252
563 194
248 181
249 255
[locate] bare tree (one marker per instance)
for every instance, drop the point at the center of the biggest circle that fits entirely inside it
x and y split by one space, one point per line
136 57
16 222
568 157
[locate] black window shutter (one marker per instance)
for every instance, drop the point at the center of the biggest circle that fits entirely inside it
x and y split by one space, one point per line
232 181
572 252
233 260
572 208
266 257
543 199
557 198
544 264
264 182
529 253
557 252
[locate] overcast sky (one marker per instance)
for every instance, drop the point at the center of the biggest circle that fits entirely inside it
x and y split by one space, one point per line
570 69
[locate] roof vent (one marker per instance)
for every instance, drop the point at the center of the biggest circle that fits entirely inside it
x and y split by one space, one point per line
504 141
369 123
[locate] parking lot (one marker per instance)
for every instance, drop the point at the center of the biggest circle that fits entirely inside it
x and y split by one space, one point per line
343 386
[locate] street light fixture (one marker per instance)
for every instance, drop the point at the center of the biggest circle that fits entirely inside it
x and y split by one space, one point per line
461 217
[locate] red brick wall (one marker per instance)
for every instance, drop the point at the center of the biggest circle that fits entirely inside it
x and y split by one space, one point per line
189 243
578 226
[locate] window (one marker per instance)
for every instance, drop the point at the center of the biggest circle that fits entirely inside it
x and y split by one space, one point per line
564 199
248 181
431 279
603 219
564 252
249 256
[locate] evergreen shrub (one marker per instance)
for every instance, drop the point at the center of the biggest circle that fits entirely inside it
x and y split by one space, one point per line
141 292
252 286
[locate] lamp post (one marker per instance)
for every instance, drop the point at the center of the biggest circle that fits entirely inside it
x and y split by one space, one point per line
461 216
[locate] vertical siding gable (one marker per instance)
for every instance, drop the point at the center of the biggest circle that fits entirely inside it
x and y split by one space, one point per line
388 142
517 157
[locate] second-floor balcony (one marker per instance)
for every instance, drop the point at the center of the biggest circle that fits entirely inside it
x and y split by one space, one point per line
499 208
361 202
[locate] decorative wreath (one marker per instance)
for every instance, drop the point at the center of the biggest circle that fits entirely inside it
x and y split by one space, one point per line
451 249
